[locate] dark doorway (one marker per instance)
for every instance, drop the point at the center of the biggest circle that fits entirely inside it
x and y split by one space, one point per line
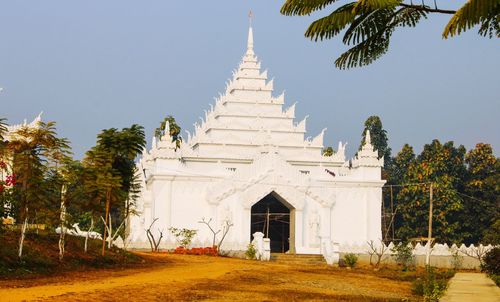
272 217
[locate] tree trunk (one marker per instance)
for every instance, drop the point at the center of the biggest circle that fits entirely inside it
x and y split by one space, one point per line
88 232
110 231
25 224
63 220
108 201
23 233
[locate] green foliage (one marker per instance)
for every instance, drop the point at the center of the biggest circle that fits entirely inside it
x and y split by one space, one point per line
404 255
110 174
350 259
472 13
496 279
492 234
431 284
34 152
481 196
251 252
370 23
443 165
456 260
491 262
174 130
379 138
183 236
328 151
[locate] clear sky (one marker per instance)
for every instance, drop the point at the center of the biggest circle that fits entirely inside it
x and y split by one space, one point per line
93 64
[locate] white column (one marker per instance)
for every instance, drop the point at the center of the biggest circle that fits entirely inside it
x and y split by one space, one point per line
244 236
299 230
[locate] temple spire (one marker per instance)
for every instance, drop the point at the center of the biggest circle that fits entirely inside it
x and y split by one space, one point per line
250 34
368 139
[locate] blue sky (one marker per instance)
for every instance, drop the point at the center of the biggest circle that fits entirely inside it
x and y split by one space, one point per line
91 65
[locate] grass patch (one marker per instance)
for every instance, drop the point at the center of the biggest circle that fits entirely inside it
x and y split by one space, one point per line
41 255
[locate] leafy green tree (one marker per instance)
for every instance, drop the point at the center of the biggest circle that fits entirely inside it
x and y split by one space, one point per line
481 193
174 130
369 24
378 138
111 176
31 149
401 163
328 151
443 165
396 175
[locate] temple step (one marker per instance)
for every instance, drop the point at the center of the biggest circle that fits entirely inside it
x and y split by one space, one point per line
298 259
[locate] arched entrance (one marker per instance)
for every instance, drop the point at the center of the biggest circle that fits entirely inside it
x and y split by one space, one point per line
274 217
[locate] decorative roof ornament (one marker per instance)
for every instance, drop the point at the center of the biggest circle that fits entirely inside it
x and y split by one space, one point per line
368 139
367 156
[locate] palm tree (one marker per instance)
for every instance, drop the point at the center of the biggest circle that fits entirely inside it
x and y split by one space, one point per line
370 23
31 148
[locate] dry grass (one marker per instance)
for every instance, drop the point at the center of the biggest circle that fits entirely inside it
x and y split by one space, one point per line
204 278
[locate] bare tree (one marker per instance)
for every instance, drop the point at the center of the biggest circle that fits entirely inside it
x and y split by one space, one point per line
477 252
207 223
376 250
225 229
111 238
152 241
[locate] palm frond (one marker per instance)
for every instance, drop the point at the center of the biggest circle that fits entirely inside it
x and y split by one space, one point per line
366 6
303 7
475 12
490 27
367 25
365 52
331 25
409 17
371 32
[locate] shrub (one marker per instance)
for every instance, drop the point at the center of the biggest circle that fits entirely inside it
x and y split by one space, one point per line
456 260
251 252
491 262
430 284
350 259
496 279
183 236
403 255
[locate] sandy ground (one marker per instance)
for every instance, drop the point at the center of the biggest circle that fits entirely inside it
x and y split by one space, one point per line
204 278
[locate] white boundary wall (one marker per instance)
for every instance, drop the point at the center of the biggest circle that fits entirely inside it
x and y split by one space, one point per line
442 255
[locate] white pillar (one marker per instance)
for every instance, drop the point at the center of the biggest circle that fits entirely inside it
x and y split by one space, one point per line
299 230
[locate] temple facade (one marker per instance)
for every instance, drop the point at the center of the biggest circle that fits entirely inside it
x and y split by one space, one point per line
249 167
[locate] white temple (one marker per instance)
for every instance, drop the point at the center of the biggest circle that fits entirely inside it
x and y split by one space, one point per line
248 164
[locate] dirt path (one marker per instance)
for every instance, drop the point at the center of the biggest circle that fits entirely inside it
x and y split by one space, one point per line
195 278
477 287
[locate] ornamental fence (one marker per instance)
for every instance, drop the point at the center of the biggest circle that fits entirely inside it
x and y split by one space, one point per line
441 255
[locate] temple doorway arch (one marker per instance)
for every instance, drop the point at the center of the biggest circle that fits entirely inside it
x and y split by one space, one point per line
275 217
